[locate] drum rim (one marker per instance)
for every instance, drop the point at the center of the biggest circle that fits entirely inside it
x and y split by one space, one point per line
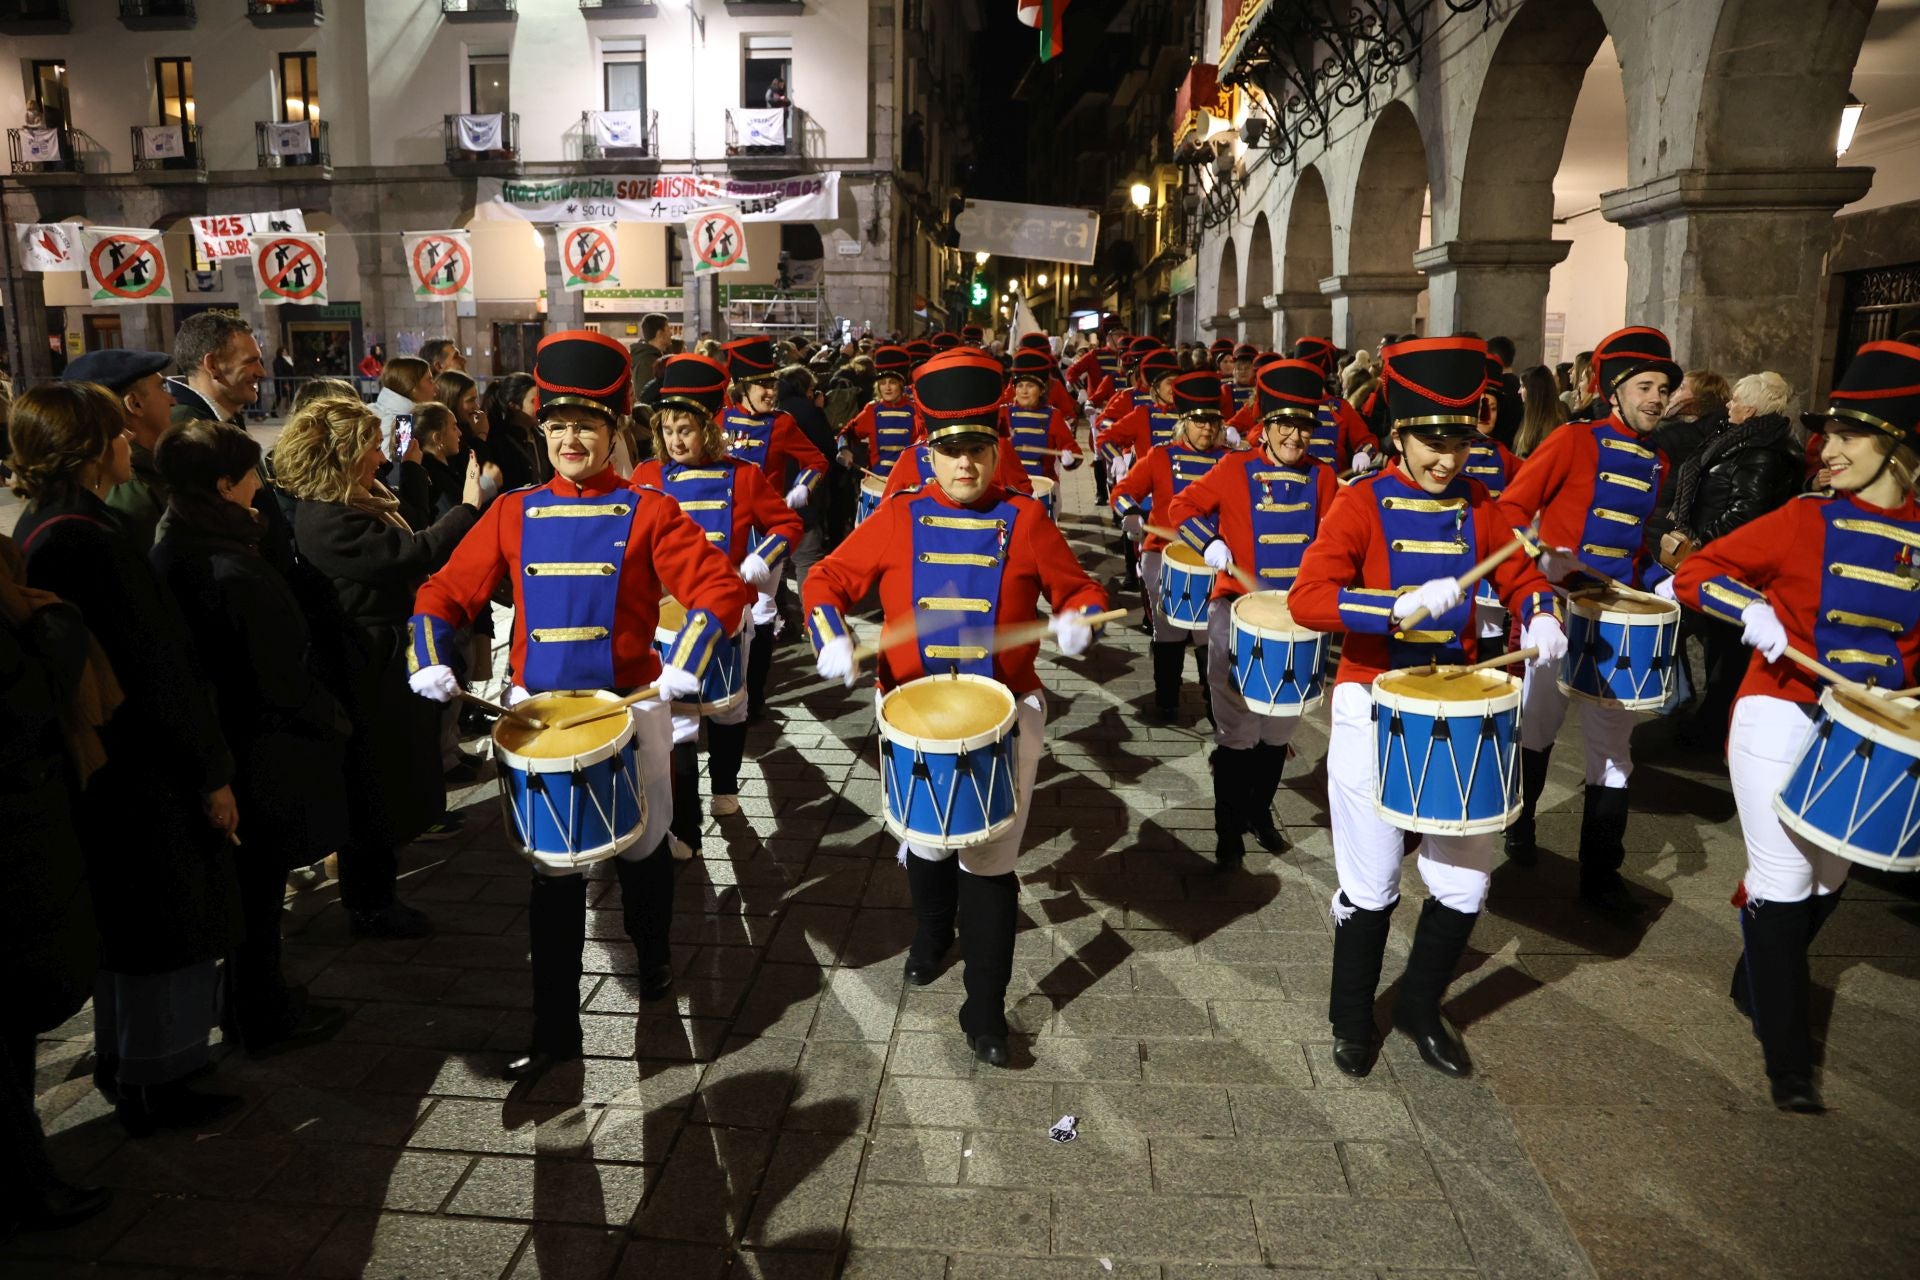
1268 633
565 764
866 481
1197 566
1508 701
599 853
1669 614
1838 710
1797 822
945 746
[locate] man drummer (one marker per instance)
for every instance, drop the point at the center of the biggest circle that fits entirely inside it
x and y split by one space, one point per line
887 424
1257 510
1241 388
1829 576
589 560
1592 487
1038 432
1396 543
957 557
1151 487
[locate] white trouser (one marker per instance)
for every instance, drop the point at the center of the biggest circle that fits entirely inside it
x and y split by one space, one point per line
1164 632
1367 851
1235 725
1606 733
687 728
996 857
1762 745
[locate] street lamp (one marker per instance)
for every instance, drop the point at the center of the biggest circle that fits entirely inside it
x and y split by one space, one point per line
1041 279
980 258
1141 193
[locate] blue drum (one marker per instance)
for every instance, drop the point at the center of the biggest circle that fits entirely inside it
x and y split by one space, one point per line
1446 750
571 797
947 762
1279 667
1620 648
1855 790
1043 490
1186 583
868 501
724 686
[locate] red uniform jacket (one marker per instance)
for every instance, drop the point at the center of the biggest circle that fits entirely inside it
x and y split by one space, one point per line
1151 484
755 506
773 441
1292 501
1349 432
1593 486
861 427
1118 404
1492 464
907 473
886 551
1034 463
1134 431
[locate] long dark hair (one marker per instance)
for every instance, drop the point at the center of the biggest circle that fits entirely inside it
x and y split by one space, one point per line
503 398
1544 409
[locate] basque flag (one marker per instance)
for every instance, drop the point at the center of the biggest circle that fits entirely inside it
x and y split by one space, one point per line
1047 16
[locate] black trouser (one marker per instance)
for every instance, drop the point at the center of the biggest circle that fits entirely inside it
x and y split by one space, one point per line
988 913
759 664
24 1168
255 988
557 935
726 747
367 876
1726 667
685 777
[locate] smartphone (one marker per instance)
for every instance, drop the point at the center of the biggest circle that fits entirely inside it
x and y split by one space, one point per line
402 435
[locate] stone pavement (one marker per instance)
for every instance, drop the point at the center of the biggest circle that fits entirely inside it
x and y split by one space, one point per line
799 1113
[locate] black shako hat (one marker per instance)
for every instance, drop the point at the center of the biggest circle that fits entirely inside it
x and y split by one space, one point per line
1157 364
1289 389
579 366
1197 392
1628 353
1031 366
958 393
1317 351
1880 389
692 382
893 360
750 359
1434 384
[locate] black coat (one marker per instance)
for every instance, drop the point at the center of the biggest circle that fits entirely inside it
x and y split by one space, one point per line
163 889
287 731
1745 471
394 788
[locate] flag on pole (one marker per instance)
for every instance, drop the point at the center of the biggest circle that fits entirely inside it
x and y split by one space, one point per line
1023 322
1047 16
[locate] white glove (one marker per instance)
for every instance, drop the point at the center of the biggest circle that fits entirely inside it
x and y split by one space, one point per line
1545 634
757 572
1664 589
836 661
1133 525
516 695
677 684
1763 631
797 497
1233 437
1558 564
436 683
1071 633
1362 460
1068 461
1436 596
1118 471
1218 555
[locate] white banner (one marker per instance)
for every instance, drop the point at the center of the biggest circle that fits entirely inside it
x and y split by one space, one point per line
718 239
123 265
291 139
162 142
618 129
441 264
290 267
761 127
39 146
660 198
588 259
48 246
227 235
479 133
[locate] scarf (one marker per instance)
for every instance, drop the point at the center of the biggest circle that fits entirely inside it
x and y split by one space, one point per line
95 694
379 502
213 516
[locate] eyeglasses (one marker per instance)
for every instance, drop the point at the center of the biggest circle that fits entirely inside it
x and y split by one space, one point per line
578 430
1288 427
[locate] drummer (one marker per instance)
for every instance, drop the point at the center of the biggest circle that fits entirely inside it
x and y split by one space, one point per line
1257 510
1242 387
1592 487
887 424
1039 433
915 466
578 624
965 542
1151 487
1824 575
731 500
1395 543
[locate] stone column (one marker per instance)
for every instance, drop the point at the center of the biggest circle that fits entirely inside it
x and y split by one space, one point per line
564 310
1255 323
1366 306
1220 326
28 354
1302 315
1490 287
1730 264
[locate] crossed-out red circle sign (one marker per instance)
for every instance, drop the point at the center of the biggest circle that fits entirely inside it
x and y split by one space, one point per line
124 254
442 265
584 247
718 239
301 261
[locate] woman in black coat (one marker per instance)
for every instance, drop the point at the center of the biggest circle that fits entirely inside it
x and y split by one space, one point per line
348 527
518 449
156 819
287 732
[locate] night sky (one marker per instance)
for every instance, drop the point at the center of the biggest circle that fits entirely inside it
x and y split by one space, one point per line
1003 53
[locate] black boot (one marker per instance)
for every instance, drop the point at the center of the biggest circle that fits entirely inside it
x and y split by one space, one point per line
1169 661
144 1108
759 664
1820 909
726 746
1359 945
646 913
1778 989
935 888
1437 943
1232 770
1533 780
1603 833
685 776
1269 762
988 915
557 938
1206 689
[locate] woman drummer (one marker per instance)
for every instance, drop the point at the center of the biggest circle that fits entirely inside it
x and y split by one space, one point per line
1039 432
960 554
589 559
730 499
1832 577
1258 510
1151 486
1397 542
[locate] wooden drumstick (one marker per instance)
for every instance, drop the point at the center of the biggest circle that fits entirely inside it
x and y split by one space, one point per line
604 710
1234 571
1000 639
524 717
891 634
1506 659
1900 693
1822 670
1470 578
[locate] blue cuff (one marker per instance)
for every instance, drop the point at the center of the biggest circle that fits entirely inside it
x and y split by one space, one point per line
1541 602
1365 609
773 548
692 648
807 476
825 624
1124 506
430 643
1726 598
1198 532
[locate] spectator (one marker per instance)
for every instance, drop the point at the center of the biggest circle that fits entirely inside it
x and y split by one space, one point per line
439 437
324 389
512 433
462 395
1541 409
777 93
405 384
135 377
442 354
283 384
286 731
350 529
156 816
654 342
373 362
219 369
1679 436
1579 398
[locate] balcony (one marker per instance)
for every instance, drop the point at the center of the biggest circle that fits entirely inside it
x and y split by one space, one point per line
168 148
768 8
286 13
34 18
480 143
618 8
763 134
478 10
613 136
278 146
35 150
158 15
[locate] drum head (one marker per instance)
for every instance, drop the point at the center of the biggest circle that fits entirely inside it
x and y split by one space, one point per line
1895 718
943 709
673 615
1186 557
1448 684
873 485
1266 610
521 739
1042 487
1623 600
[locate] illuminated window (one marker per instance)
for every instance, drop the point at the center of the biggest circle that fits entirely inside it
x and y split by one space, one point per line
173 81
300 87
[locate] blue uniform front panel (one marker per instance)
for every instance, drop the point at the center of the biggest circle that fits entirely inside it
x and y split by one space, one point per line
1284 520
706 494
958 559
1624 492
1428 537
1484 464
1869 595
1324 446
892 435
571 554
1030 429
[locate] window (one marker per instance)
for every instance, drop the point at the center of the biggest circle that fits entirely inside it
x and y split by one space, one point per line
50 92
768 58
300 87
173 79
623 72
487 85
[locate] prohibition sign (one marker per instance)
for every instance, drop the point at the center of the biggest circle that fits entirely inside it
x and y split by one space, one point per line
585 245
136 250
299 252
436 276
718 239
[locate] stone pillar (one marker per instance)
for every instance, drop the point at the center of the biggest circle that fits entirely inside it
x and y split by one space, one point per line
1731 264
1220 326
29 354
1490 287
1302 315
1255 323
564 310
1366 306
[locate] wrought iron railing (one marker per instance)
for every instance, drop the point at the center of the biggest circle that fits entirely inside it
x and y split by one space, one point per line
645 144
27 154
317 156
150 149
458 152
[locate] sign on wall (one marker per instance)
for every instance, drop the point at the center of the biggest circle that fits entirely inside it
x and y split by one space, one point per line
718 240
124 265
588 259
1048 232
440 263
